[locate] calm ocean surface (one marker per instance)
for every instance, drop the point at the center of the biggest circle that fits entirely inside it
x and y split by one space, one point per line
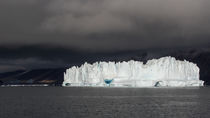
70 102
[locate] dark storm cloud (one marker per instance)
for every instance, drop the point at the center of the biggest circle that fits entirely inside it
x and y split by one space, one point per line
134 24
58 33
33 57
120 15
105 25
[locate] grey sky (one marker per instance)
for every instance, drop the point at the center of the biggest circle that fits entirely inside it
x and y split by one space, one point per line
105 25
33 31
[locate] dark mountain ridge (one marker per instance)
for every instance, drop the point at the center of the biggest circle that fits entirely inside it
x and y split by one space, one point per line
54 76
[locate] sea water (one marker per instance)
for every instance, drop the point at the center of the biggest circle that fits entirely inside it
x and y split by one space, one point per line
91 102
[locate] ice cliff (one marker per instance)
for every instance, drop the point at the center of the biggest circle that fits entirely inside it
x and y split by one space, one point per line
166 71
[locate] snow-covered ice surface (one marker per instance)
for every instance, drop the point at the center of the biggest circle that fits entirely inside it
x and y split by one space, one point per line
166 71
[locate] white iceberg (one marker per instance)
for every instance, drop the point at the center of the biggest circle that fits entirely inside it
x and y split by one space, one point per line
166 71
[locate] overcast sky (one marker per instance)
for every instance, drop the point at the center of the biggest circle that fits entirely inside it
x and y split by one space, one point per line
98 26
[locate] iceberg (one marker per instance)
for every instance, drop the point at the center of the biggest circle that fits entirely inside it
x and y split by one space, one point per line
163 72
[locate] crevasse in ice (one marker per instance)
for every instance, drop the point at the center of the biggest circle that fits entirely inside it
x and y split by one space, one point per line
166 71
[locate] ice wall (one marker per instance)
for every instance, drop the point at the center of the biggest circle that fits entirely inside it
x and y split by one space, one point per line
166 71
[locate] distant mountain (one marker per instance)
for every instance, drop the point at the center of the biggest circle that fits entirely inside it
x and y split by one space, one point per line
55 76
38 76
